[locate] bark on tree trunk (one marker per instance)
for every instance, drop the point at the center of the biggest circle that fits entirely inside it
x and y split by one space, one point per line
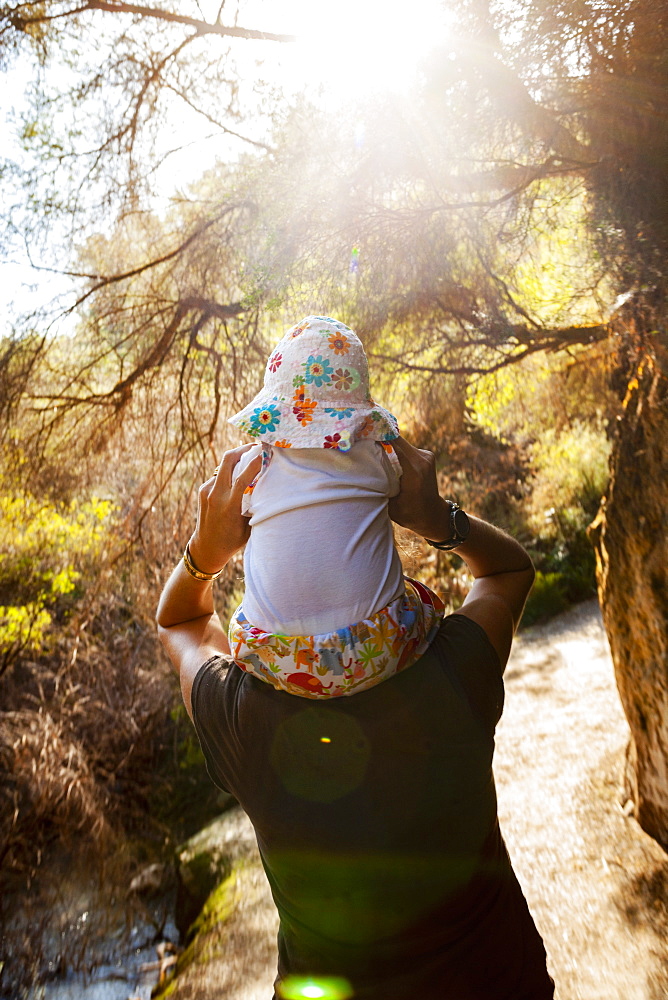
631 541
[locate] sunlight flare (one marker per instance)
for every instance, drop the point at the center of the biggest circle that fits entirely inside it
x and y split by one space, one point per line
352 48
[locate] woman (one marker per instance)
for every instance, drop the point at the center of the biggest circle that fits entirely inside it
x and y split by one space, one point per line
375 815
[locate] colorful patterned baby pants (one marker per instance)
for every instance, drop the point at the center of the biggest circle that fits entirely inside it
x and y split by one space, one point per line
344 662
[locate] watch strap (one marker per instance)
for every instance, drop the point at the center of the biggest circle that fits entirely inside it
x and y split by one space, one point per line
457 538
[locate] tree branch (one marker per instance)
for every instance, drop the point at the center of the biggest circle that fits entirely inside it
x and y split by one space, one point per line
121 391
214 121
512 179
512 96
21 21
531 341
102 281
201 27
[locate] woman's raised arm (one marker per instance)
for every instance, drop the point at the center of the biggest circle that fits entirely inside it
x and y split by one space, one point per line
502 569
188 625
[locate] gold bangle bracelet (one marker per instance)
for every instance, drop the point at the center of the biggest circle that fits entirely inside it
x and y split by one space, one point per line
197 574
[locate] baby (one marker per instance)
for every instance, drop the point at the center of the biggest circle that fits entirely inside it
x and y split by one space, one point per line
327 610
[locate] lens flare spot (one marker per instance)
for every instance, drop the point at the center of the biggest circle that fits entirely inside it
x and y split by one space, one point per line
325 739
326 988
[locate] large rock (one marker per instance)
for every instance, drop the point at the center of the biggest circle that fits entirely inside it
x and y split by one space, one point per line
208 859
631 540
230 948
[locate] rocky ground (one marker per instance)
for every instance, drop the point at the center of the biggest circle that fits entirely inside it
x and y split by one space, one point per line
596 884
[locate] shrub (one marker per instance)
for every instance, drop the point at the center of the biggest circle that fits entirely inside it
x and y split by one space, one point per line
85 709
44 549
570 476
548 597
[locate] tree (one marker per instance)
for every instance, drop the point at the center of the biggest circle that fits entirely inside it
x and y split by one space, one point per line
568 98
163 284
539 123
120 98
558 110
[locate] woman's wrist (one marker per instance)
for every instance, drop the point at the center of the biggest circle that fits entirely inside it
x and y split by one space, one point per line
203 560
437 526
194 571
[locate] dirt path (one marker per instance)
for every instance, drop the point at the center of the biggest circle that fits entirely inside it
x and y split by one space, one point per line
596 884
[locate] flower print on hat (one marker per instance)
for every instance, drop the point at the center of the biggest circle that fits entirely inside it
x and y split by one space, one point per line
346 379
316 391
340 441
265 418
339 412
317 370
304 407
338 343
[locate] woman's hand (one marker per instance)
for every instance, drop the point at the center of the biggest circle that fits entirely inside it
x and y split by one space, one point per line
501 567
221 531
188 625
221 528
418 505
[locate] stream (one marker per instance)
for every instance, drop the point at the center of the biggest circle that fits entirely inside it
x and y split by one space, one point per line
113 941
133 975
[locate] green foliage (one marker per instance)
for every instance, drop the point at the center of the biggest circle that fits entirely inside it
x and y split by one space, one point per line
188 751
43 547
571 473
557 277
543 392
547 598
557 413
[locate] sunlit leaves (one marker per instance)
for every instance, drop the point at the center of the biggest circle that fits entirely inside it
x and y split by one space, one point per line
545 393
43 547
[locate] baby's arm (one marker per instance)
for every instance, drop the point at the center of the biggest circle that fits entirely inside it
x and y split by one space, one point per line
240 469
392 467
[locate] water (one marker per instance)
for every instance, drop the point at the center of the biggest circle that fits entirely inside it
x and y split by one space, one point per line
94 939
133 975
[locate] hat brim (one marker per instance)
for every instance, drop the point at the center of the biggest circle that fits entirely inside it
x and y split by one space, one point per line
313 424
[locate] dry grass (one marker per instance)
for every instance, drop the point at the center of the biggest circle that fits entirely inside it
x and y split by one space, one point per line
81 735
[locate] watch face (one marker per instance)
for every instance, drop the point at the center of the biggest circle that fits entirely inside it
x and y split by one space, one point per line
461 523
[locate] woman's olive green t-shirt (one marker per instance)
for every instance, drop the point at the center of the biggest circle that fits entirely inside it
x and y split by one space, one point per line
376 820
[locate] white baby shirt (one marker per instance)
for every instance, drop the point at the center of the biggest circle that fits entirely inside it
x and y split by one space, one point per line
321 553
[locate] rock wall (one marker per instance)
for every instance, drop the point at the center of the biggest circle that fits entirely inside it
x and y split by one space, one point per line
631 541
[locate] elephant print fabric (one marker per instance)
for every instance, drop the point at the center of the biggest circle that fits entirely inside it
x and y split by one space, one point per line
346 661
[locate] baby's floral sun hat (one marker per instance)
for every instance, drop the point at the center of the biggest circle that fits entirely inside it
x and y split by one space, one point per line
316 392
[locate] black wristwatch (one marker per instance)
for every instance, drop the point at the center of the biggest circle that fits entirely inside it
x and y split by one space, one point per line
461 526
